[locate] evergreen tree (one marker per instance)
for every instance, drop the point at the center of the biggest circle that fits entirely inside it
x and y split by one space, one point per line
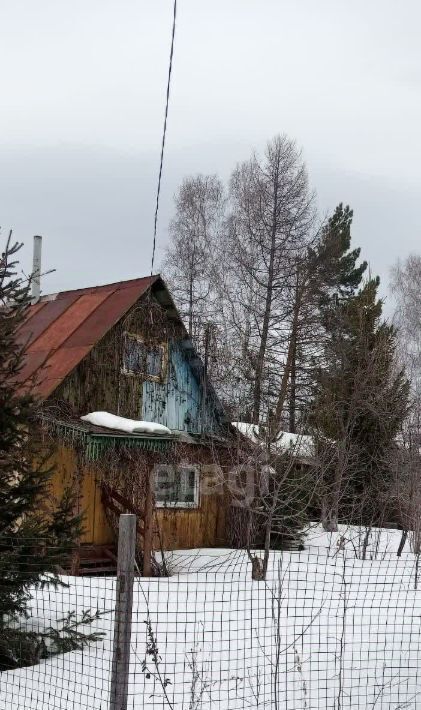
326 273
32 543
338 274
360 404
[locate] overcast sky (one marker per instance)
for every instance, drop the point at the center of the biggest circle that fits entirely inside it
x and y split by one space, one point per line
82 97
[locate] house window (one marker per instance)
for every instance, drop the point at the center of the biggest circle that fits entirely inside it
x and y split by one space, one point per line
154 360
142 359
176 486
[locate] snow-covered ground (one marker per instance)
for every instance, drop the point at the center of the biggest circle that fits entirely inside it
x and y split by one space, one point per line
326 630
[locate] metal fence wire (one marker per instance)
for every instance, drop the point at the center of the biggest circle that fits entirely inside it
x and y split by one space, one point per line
326 629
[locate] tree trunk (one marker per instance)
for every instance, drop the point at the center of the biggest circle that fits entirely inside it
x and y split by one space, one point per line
268 532
366 540
293 390
292 348
329 517
257 393
148 527
191 308
293 375
402 542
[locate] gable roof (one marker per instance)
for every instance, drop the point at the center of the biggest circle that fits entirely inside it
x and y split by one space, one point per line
62 328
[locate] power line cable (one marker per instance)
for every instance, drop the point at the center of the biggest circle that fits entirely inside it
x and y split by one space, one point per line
164 133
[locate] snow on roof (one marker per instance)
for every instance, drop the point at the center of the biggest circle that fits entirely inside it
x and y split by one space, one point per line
130 426
301 444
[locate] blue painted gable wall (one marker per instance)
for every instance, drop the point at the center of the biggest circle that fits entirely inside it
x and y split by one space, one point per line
178 402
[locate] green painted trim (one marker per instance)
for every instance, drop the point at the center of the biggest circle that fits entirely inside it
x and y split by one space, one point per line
97 445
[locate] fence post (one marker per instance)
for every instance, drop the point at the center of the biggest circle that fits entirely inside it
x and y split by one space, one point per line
147 528
123 612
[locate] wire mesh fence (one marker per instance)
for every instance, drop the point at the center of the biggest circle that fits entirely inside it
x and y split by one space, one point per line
326 629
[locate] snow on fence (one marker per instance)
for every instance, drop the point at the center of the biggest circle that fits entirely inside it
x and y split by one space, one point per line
326 630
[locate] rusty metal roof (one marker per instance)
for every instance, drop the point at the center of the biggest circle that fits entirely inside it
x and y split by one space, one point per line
62 328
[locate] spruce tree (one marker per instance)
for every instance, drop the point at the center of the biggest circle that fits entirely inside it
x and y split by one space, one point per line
361 401
32 543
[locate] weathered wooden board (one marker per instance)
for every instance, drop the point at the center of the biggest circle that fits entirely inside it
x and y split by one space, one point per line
82 481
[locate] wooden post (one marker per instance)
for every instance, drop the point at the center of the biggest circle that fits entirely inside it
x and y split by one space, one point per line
123 612
148 527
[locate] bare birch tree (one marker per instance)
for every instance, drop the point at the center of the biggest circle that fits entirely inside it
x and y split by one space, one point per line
406 290
405 287
189 260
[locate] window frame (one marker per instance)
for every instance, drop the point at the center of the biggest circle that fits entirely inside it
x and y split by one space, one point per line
144 374
195 503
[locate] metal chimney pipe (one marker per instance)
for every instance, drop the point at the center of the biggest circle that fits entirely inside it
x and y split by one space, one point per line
36 270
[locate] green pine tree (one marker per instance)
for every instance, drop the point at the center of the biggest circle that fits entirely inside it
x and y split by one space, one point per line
338 274
329 273
32 544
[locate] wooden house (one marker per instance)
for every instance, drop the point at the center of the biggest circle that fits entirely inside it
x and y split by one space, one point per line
122 348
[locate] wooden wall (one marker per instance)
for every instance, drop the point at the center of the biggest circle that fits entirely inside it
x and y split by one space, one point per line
185 528
82 480
177 400
180 528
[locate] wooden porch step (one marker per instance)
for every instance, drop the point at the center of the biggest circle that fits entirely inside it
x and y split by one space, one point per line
94 561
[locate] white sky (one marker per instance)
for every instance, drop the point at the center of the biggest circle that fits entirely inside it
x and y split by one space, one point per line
82 88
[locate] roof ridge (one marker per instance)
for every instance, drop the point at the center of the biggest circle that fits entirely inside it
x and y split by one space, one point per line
125 283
